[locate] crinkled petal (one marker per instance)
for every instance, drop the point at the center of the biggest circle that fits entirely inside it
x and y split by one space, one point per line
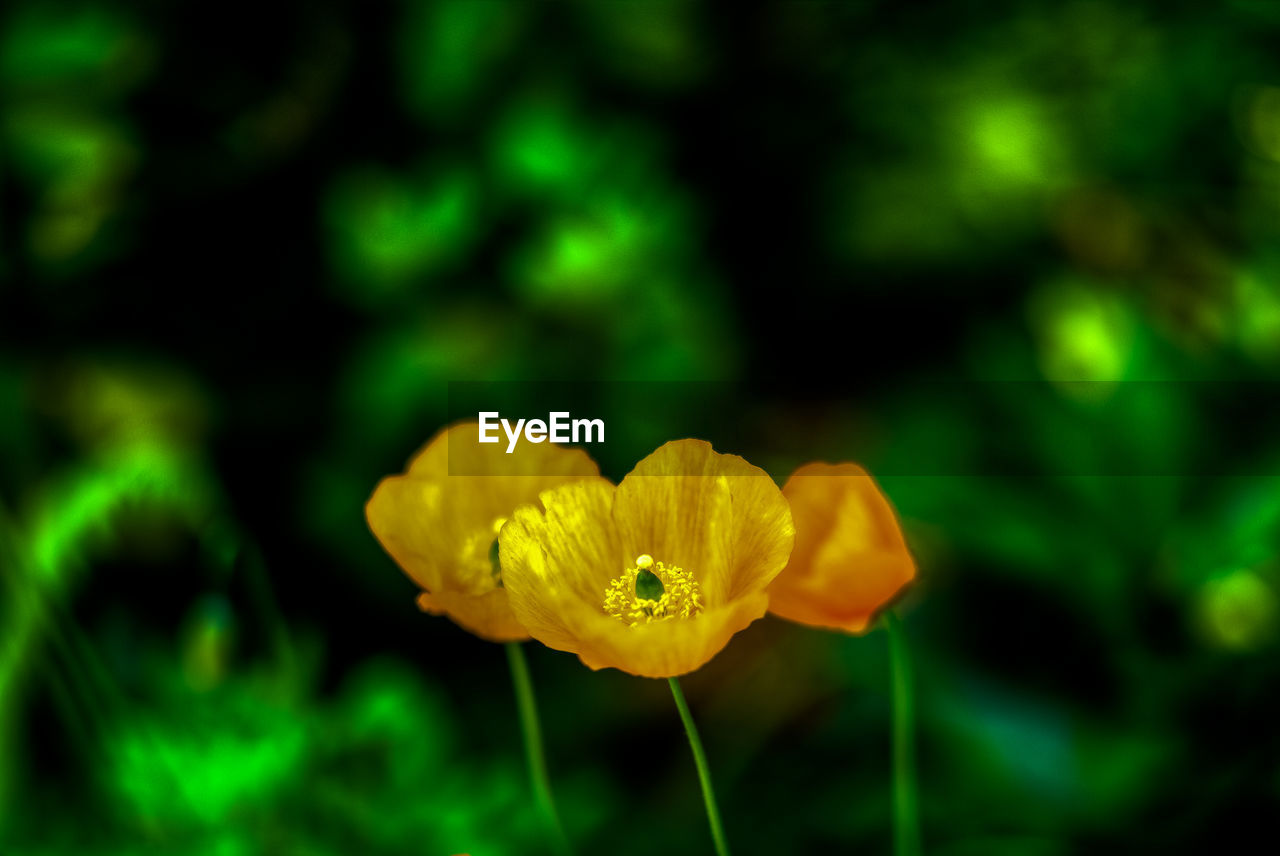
717 516
557 559
666 649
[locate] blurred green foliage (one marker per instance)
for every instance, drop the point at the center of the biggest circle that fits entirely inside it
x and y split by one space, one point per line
389 232
1019 259
63 75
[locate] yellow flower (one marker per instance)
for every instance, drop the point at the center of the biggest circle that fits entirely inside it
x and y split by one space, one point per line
442 529
652 576
850 558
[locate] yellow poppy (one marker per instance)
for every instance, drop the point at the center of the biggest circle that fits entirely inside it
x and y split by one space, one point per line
441 529
850 558
654 575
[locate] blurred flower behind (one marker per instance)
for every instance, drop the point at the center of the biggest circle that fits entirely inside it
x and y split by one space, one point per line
441 521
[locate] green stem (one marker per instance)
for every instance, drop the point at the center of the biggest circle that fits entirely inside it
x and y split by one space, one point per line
33 608
704 772
906 813
534 754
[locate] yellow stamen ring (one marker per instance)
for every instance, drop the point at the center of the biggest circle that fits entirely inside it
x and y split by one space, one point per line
681 595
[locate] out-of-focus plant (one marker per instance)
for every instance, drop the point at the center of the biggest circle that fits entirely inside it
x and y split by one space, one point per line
63 75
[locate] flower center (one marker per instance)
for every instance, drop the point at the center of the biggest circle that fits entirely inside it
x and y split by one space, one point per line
650 592
480 558
495 568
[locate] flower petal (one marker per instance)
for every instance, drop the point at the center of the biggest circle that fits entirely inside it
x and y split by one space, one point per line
717 516
850 557
557 559
407 516
668 648
488 616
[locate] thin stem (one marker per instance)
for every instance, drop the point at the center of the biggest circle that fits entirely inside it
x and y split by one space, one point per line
704 772
906 813
534 754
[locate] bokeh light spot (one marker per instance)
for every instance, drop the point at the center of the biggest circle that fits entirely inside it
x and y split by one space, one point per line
1083 335
1238 610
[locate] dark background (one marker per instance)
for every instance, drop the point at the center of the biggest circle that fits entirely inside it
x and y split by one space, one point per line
1018 259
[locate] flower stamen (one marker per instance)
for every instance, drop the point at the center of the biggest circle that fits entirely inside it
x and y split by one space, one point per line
651 592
